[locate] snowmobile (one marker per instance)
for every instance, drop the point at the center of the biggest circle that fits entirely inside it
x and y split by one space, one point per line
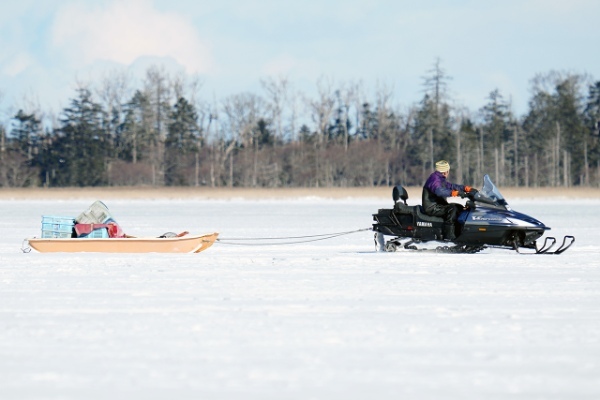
486 220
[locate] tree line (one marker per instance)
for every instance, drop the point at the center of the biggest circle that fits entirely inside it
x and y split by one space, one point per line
163 134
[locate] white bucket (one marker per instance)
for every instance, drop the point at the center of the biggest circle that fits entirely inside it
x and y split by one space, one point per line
97 213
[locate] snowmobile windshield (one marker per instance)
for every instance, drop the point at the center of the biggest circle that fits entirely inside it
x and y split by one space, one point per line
490 191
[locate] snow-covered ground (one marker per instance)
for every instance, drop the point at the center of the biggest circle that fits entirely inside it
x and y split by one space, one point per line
330 319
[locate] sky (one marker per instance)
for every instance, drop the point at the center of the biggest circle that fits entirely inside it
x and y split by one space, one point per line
49 47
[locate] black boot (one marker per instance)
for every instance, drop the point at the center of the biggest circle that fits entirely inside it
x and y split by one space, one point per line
449 233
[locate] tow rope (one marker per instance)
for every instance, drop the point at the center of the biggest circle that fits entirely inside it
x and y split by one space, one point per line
305 239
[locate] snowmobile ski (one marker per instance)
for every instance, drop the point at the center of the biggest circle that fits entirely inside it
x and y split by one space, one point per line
549 243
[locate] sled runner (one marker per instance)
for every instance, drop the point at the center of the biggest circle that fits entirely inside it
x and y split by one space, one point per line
486 221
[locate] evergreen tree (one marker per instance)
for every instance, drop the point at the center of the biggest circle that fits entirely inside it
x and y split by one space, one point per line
495 133
431 132
538 130
26 133
183 135
570 122
592 109
592 142
434 121
79 153
135 136
368 128
555 130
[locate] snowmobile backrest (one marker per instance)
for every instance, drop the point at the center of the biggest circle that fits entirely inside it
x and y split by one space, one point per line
399 193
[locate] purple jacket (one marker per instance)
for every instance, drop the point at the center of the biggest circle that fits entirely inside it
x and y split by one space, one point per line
436 189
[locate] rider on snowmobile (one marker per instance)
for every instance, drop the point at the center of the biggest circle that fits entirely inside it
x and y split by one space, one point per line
435 192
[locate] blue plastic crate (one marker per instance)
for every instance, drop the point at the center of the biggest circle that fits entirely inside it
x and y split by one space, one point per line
57 227
96 234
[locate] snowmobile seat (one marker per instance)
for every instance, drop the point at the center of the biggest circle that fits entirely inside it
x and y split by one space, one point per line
420 213
403 208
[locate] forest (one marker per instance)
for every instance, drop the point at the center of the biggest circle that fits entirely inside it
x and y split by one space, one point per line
163 133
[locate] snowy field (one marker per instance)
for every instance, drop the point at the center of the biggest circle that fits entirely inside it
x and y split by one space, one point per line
329 319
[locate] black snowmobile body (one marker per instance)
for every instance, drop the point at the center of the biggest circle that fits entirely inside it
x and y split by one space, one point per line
486 220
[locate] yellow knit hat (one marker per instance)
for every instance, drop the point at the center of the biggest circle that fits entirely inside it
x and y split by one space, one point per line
442 166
